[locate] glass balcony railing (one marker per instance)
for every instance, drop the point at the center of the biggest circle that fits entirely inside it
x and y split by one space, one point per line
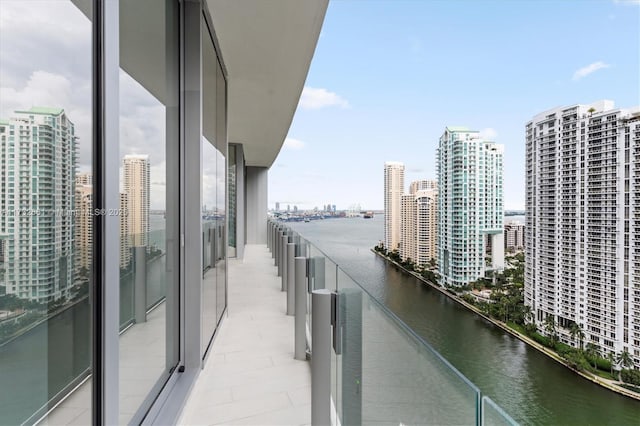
382 372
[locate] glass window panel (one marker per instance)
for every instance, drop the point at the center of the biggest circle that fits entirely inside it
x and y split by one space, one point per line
45 237
149 150
214 181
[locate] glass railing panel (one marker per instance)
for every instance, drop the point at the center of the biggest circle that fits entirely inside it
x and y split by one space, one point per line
386 373
493 415
156 263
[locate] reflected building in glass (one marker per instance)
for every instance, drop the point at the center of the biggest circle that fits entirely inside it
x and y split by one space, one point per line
136 188
38 165
83 226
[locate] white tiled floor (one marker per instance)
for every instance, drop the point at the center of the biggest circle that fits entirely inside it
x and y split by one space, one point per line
250 377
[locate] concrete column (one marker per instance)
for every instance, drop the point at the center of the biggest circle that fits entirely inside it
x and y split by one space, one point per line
257 186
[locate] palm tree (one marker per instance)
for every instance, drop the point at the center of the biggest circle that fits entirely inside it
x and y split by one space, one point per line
625 361
550 329
573 331
592 352
611 357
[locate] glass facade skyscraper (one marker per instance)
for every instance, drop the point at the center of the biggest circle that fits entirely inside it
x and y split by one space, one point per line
470 206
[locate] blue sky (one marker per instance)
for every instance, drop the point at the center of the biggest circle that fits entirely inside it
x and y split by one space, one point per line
388 76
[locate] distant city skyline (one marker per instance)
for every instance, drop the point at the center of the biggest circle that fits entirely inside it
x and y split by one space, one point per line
374 95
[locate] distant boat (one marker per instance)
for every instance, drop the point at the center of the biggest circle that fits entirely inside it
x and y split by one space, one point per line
368 215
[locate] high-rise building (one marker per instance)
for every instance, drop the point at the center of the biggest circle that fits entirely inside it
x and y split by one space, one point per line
38 150
514 235
85 178
419 217
393 189
426 225
136 186
125 237
418 185
408 227
277 206
83 226
470 205
582 230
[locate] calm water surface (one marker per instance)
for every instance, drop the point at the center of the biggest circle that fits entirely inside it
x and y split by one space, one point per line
532 388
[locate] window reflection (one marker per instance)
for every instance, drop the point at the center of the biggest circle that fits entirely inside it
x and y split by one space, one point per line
45 208
149 141
214 181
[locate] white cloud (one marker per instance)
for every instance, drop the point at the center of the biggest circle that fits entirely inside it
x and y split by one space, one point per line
488 133
291 143
591 68
42 89
313 98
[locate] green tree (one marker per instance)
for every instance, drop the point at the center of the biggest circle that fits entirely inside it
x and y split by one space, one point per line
550 329
576 333
624 360
611 357
593 353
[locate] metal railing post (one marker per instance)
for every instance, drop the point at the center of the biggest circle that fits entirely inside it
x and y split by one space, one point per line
269 224
279 237
291 289
273 241
321 358
300 346
283 259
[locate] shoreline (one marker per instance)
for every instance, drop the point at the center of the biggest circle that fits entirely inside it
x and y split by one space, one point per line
522 337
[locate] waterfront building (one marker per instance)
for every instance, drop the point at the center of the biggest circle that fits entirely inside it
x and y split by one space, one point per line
514 235
408 227
37 168
418 185
582 235
136 186
426 201
470 206
419 218
393 190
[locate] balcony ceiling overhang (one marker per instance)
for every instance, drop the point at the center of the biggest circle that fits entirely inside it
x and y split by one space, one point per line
267 47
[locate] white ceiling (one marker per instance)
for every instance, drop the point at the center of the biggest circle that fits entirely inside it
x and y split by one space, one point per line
266 46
